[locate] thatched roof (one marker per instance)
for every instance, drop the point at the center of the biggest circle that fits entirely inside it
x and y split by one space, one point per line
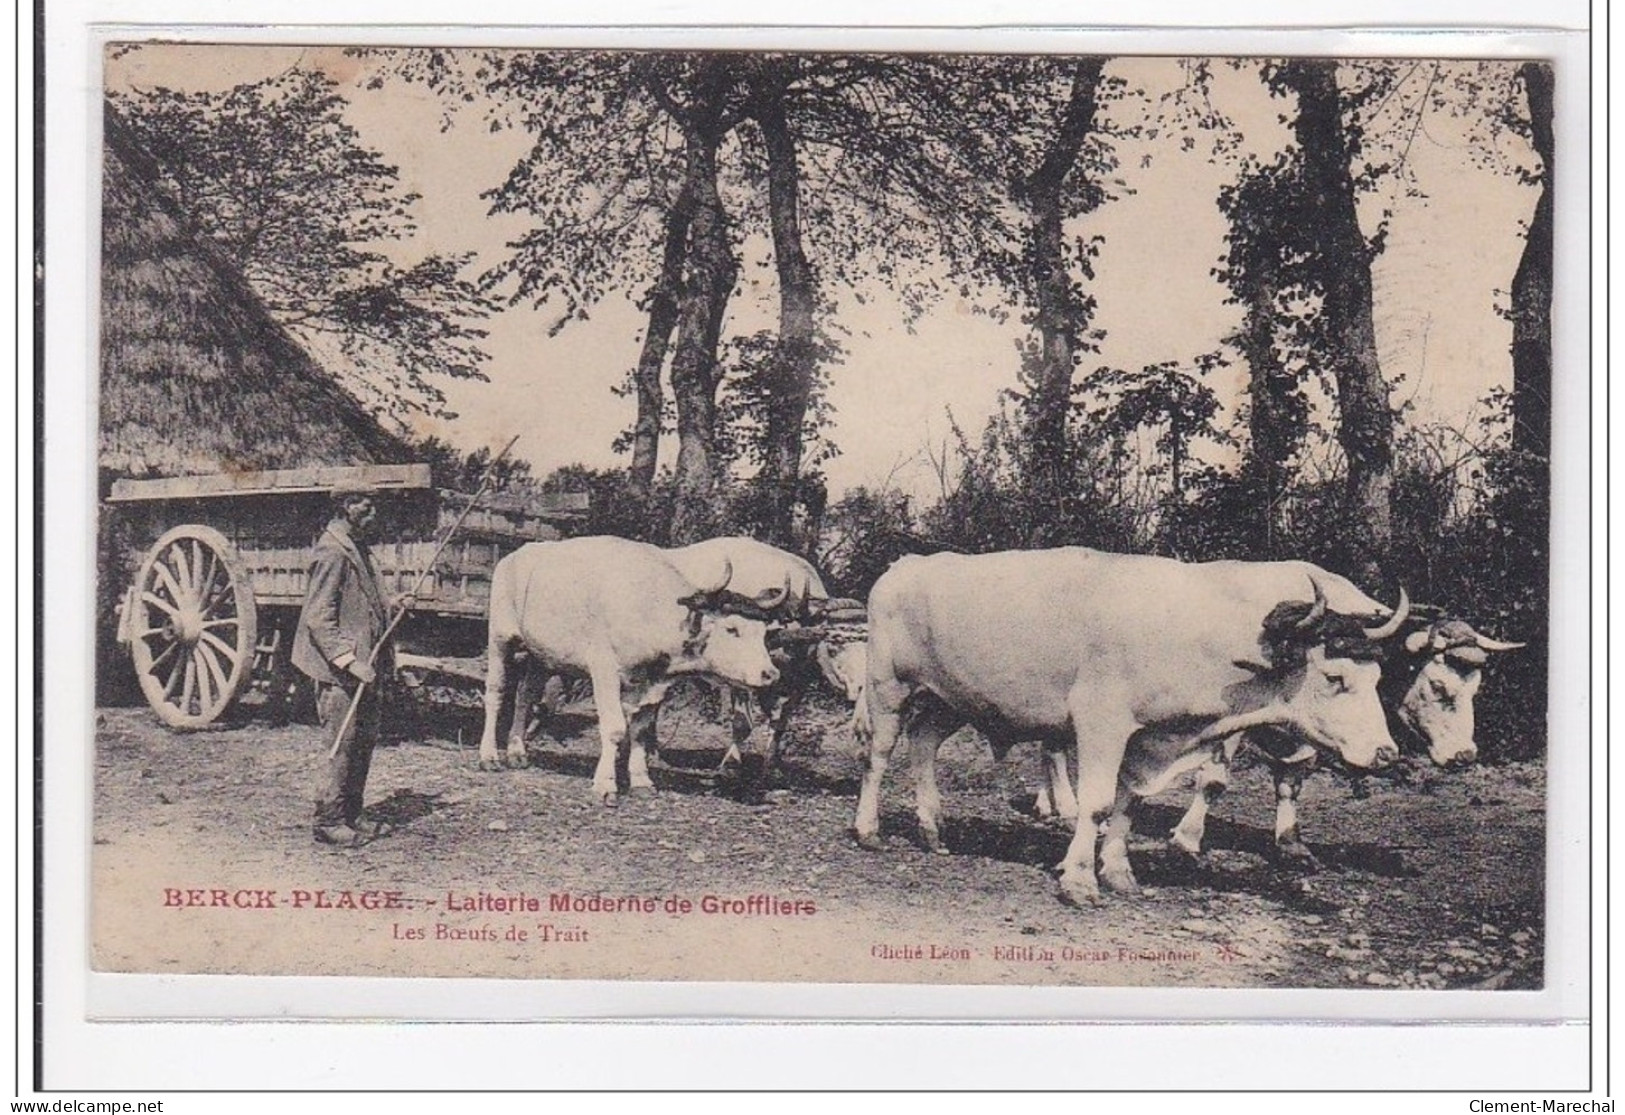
196 377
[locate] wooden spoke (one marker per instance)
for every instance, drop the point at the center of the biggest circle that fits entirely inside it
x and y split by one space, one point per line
216 665
220 596
209 638
212 667
205 687
160 603
161 571
176 674
158 660
183 572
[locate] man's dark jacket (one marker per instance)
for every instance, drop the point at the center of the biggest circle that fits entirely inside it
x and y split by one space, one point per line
344 614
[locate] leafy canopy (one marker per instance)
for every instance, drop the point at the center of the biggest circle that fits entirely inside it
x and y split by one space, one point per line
319 225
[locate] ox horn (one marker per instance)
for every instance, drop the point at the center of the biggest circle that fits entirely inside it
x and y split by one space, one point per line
773 598
1484 642
727 575
1317 611
1395 621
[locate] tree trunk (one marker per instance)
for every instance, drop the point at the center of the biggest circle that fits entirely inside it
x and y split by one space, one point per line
1366 429
1274 426
795 359
662 307
695 375
1058 316
1532 286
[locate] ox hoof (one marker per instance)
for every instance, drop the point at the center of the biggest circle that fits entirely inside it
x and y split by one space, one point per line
1122 881
517 760
1079 891
933 843
1184 846
490 762
609 799
871 841
646 790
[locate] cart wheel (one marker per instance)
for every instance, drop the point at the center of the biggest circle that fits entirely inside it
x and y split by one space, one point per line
194 627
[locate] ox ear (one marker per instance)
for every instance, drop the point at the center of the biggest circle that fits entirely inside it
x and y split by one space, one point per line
1417 641
696 620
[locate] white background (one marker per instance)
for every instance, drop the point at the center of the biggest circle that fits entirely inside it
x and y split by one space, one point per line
1552 1052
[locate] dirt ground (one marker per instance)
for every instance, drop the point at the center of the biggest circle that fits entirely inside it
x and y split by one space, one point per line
203 862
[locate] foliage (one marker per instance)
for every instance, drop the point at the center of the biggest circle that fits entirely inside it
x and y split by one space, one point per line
990 502
750 384
864 532
1164 397
452 469
615 507
276 177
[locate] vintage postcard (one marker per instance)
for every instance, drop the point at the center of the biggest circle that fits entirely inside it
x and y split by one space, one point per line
845 517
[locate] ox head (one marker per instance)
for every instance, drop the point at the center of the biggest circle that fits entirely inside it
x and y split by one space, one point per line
844 665
1445 662
1329 667
724 641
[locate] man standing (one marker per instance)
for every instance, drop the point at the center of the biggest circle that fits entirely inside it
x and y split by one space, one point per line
343 619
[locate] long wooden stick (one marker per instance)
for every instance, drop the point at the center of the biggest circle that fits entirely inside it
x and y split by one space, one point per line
400 614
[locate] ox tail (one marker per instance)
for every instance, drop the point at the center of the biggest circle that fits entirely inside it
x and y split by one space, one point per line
862 730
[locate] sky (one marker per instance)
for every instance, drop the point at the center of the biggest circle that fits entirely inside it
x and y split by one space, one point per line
1440 340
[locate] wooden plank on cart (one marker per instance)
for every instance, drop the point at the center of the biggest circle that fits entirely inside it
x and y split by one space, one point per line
531 517
281 481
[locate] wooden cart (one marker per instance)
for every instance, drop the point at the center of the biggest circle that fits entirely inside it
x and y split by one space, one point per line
220 563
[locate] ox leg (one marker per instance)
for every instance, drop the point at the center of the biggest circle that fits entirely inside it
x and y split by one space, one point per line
499 699
885 722
757 771
1115 871
518 755
640 734
1102 741
606 697
925 736
780 706
742 724
780 702
1055 796
1288 843
1212 779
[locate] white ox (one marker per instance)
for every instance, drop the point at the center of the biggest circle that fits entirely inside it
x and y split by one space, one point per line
1429 680
624 614
780 586
1144 664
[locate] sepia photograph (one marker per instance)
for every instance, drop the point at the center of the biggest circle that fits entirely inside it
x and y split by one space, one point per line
941 518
